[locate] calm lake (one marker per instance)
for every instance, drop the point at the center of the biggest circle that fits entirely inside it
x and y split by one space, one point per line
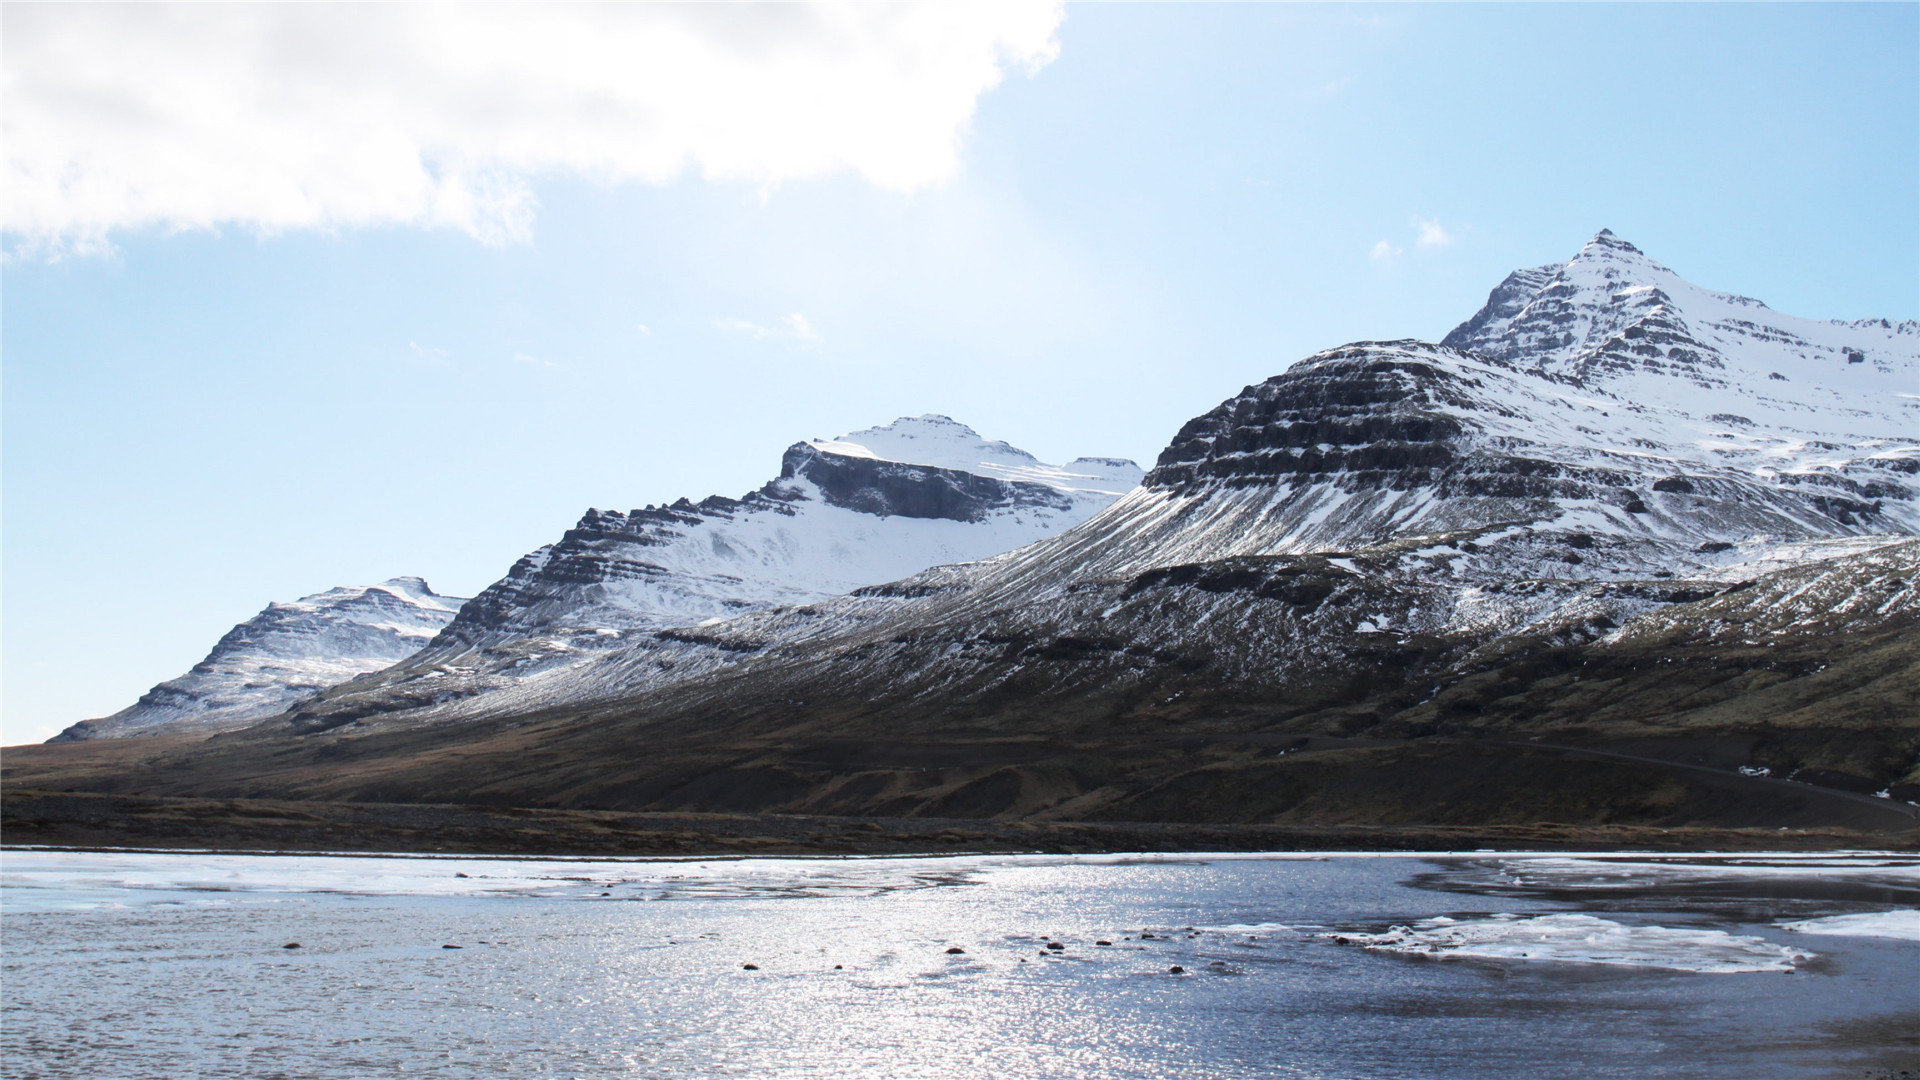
131 965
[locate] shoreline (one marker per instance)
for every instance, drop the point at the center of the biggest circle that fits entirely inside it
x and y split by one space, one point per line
78 821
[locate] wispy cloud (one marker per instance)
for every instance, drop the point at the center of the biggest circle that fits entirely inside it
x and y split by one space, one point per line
792 327
1431 234
426 354
1332 87
293 116
533 361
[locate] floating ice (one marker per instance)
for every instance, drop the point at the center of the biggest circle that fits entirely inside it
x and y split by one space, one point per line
1903 923
1580 939
1635 873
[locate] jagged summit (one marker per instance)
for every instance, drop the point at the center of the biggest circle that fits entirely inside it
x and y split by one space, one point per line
1613 319
289 651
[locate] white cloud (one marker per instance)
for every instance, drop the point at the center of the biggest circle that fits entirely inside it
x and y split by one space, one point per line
1384 252
1333 87
292 116
426 354
533 361
792 327
644 329
1431 234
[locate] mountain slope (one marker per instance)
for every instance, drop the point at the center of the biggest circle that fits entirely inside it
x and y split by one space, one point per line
287 652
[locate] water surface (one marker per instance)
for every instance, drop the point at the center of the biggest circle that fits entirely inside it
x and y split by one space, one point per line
173 965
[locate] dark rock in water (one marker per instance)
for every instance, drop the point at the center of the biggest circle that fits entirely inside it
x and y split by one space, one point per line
1176 970
837 967
956 951
1103 943
291 945
458 874
1055 945
453 946
1146 937
750 967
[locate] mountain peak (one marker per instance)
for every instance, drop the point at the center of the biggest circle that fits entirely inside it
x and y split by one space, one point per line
928 439
939 441
1610 239
409 584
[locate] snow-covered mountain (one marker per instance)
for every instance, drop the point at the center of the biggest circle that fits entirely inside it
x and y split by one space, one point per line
845 513
286 653
867 507
1615 523
1601 441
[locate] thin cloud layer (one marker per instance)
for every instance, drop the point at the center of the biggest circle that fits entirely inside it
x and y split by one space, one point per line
276 117
792 327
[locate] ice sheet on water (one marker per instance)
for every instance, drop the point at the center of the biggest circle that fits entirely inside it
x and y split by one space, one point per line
1903 923
84 879
1580 939
1633 873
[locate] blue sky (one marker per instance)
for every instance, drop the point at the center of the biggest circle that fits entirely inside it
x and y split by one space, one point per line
1183 200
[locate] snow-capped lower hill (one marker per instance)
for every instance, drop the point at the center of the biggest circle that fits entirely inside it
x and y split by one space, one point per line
286 653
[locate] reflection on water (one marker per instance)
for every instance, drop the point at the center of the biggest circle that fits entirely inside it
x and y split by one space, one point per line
130 965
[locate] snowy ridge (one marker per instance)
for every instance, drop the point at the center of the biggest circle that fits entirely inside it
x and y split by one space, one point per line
286 653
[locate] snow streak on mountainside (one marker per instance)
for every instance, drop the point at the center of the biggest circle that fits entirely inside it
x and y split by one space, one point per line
286 653
865 508
1602 441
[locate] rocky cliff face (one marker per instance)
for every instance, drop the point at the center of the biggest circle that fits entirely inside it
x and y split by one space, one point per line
288 652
